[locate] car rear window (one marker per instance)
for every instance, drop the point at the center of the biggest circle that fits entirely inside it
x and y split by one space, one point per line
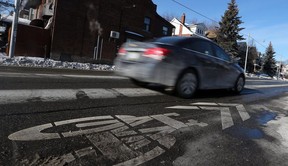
168 40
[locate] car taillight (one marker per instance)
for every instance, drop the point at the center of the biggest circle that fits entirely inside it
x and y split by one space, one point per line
122 51
156 53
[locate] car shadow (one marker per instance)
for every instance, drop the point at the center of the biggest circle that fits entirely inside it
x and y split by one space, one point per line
218 93
223 93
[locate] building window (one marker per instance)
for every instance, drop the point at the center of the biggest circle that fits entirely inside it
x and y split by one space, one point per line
165 30
173 32
147 23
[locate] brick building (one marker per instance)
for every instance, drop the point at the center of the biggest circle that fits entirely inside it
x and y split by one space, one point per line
94 29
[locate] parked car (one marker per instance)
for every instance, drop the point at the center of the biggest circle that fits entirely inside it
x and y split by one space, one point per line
184 63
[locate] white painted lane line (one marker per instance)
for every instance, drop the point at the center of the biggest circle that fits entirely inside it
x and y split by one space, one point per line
184 107
99 93
35 75
136 92
243 113
129 117
226 118
97 77
211 108
55 95
205 103
83 119
93 130
140 122
50 95
34 133
134 121
15 96
96 123
265 86
228 104
23 96
169 121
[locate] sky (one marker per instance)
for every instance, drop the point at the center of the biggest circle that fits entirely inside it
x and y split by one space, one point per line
265 20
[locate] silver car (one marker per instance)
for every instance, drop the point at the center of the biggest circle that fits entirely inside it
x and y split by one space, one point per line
184 63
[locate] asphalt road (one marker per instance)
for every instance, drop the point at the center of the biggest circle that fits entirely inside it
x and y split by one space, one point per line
69 117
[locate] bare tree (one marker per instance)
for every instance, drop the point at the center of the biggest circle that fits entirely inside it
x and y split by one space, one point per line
169 16
212 26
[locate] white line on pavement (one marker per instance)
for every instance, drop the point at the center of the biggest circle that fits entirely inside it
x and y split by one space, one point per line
184 107
98 77
226 118
242 112
265 86
35 75
50 95
205 103
169 121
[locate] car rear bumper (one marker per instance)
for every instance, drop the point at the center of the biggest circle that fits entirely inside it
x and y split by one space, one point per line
145 72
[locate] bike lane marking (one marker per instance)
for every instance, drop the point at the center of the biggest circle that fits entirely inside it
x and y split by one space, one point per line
224 108
51 95
116 137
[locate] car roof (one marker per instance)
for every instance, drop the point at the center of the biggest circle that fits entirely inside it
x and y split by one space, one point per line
174 40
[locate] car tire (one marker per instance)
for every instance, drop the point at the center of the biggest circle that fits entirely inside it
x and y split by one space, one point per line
187 85
239 85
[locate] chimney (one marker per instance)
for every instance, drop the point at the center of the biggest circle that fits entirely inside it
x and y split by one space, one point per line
183 17
183 23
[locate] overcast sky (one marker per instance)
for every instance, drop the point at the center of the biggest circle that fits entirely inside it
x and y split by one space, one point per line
265 20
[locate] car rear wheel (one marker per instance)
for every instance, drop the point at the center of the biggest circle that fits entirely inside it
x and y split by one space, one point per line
187 85
239 85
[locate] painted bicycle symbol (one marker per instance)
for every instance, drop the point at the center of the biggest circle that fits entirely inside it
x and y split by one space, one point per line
122 139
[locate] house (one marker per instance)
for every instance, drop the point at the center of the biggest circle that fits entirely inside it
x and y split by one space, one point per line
183 29
283 69
95 29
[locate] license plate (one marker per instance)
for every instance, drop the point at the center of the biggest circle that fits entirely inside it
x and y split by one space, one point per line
132 56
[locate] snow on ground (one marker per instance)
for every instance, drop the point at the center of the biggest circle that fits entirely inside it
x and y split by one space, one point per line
49 63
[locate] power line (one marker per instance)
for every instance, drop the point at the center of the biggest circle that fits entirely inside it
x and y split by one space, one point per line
194 11
212 19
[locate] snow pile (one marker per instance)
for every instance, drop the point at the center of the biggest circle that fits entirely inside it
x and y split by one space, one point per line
49 63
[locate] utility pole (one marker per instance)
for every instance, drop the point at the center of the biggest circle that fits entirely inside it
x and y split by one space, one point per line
279 68
14 29
245 67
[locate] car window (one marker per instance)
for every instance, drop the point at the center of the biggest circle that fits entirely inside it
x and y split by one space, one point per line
203 47
220 53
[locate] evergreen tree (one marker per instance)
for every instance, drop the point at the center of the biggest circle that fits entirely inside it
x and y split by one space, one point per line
269 66
229 29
